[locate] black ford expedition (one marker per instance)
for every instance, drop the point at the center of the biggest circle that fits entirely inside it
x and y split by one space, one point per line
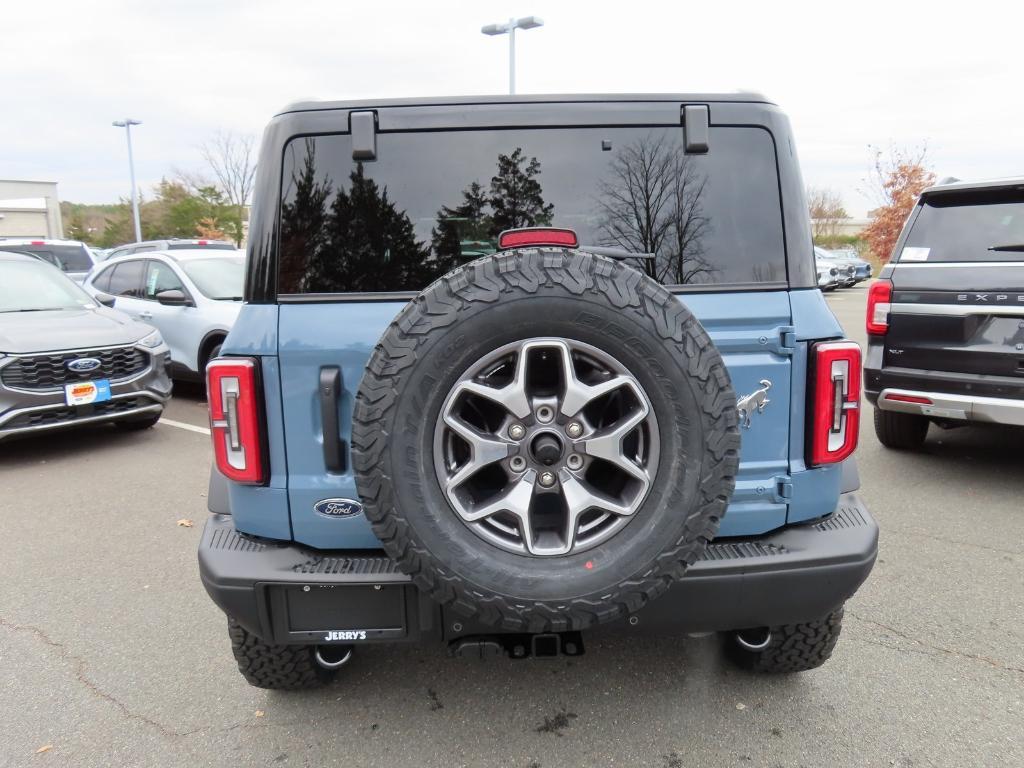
945 320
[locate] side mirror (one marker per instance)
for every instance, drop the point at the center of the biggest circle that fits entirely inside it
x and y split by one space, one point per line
173 298
105 299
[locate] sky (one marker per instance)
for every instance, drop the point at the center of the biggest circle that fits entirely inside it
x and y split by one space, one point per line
849 75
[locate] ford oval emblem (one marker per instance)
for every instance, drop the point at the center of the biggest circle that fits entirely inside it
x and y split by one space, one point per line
84 364
335 508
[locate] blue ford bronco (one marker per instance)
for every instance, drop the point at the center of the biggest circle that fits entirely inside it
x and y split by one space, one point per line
512 368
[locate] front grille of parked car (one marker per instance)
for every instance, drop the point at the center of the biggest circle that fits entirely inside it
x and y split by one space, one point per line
69 414
50 372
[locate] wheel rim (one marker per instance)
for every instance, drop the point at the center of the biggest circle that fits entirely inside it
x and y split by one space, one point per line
546 447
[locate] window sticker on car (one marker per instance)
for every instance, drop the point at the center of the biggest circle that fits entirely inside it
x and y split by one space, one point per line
914 254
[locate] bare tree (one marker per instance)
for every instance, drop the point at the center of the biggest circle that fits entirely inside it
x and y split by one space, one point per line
827 211
652 204
230 160
689 224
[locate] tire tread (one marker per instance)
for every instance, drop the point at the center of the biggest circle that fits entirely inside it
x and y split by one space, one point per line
277 667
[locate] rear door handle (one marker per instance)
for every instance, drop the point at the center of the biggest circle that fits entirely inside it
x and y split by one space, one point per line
146 315
331 384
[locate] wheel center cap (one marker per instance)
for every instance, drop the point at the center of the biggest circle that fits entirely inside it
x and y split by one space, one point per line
546 448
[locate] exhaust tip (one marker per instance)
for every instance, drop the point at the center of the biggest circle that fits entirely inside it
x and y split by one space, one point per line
333 656
754 639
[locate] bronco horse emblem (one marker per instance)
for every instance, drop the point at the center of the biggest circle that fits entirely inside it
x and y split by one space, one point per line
755 401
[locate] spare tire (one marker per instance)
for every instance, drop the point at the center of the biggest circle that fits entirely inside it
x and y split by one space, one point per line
545 439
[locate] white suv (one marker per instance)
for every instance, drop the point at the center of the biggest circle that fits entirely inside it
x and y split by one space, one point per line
191 296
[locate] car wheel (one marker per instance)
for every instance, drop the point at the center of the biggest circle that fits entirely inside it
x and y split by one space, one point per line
545 440
902 431
214 354
787 648
280 667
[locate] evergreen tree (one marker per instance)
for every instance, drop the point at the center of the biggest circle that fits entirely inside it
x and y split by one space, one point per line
516 196
304 260
467 221
372 245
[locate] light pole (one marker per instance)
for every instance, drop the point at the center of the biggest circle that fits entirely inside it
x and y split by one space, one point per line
510 27
127 124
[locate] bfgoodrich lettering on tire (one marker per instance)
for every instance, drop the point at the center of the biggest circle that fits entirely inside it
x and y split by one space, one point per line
545 440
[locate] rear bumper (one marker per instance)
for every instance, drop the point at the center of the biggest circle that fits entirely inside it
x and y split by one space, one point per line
286 593
938 405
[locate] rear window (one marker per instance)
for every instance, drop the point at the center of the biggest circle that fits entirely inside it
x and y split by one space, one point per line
434 200
968 226
70 258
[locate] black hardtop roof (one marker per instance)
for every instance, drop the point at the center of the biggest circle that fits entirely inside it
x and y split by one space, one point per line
435 101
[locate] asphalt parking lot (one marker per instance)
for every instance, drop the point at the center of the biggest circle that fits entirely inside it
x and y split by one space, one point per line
112 654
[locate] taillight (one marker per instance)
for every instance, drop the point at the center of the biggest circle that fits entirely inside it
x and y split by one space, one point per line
520 238
879 303
233 395
835 418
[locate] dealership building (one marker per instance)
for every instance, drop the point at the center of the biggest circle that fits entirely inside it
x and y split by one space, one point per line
30 209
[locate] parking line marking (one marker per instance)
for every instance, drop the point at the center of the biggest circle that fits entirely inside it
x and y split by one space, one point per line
183 425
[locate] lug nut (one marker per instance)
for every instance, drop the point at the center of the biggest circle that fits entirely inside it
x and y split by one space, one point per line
544 414
575 429
517 431
547 479
517 463
575 461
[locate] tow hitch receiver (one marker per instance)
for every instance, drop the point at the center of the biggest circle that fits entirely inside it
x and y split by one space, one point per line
542 646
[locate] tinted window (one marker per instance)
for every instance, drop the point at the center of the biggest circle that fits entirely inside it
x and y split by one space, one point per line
432 201
159 278
127 279
102 281
975 226
70 258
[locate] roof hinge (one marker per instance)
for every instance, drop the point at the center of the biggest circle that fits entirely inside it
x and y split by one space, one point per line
696 122
363 127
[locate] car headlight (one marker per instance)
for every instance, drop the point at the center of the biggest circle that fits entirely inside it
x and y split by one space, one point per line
152 341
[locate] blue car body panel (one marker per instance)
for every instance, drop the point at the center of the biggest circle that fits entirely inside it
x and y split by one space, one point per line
263 510
756 333
813 489
310 337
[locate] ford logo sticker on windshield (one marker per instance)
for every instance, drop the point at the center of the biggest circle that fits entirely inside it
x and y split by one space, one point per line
336 508
84 364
